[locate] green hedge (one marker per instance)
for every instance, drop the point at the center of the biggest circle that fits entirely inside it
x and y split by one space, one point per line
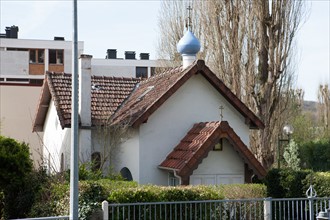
150 193
54 199
321 183
287 183
315 155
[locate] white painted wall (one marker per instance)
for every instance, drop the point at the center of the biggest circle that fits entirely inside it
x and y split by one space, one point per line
220 167
129 155
196 101
38 44
120 67
14 63
118 71
85 145
56 140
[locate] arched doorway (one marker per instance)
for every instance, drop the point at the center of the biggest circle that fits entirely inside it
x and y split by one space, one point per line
126 174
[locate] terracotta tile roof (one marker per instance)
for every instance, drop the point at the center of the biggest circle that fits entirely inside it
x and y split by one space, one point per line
148 96
153 92
108 94
140 102
201 138
111 93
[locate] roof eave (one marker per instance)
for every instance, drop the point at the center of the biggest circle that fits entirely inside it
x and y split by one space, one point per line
42 108
251 119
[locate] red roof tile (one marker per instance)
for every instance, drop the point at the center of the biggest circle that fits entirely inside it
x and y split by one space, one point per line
141 99
201 138
108 94
153 92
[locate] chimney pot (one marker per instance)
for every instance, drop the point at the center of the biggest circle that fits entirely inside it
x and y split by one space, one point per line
130 55
85 85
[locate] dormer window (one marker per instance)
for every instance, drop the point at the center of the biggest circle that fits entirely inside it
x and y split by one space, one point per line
218 146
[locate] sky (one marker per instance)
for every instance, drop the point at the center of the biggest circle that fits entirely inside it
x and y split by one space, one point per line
133 26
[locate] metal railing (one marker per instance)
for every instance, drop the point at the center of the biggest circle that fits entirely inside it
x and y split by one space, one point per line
47 218
263 208
298 208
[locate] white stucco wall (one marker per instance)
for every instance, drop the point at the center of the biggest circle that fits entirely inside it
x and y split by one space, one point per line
129 155
196 101
120 67
118 71
14 63
220 167
38 44
56 140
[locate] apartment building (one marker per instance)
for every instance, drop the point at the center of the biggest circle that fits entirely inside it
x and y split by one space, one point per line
23 63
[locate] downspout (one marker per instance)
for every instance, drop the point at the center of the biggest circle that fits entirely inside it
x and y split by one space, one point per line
174 173
177 176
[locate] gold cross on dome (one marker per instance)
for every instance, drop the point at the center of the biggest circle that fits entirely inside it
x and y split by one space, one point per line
221 113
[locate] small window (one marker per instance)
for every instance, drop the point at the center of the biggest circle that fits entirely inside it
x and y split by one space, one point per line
56 56
141 72
33 56
96 161
126 174
36 82
37 56
218 146
41 55
173 180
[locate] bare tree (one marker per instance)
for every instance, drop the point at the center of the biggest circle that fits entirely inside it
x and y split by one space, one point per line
250 46
109 138
324 106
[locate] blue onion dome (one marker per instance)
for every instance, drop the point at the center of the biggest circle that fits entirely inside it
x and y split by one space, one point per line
189 44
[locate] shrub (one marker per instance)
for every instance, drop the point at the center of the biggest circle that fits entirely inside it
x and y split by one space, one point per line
54 198
321 183
244 191
286 183
186 193
15 178
183 193
315 155
291 155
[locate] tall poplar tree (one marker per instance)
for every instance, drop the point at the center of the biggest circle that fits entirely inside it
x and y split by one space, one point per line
250 46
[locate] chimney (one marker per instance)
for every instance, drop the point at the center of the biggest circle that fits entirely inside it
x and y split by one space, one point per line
59 38
144 56
188 47
130 55
85 88
111 54
13 31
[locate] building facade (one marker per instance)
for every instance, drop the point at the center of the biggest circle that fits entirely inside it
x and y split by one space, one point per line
23 64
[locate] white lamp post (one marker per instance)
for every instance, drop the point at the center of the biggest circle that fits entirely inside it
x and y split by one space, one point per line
288 131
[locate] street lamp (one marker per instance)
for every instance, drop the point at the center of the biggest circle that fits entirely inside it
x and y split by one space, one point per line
288 131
